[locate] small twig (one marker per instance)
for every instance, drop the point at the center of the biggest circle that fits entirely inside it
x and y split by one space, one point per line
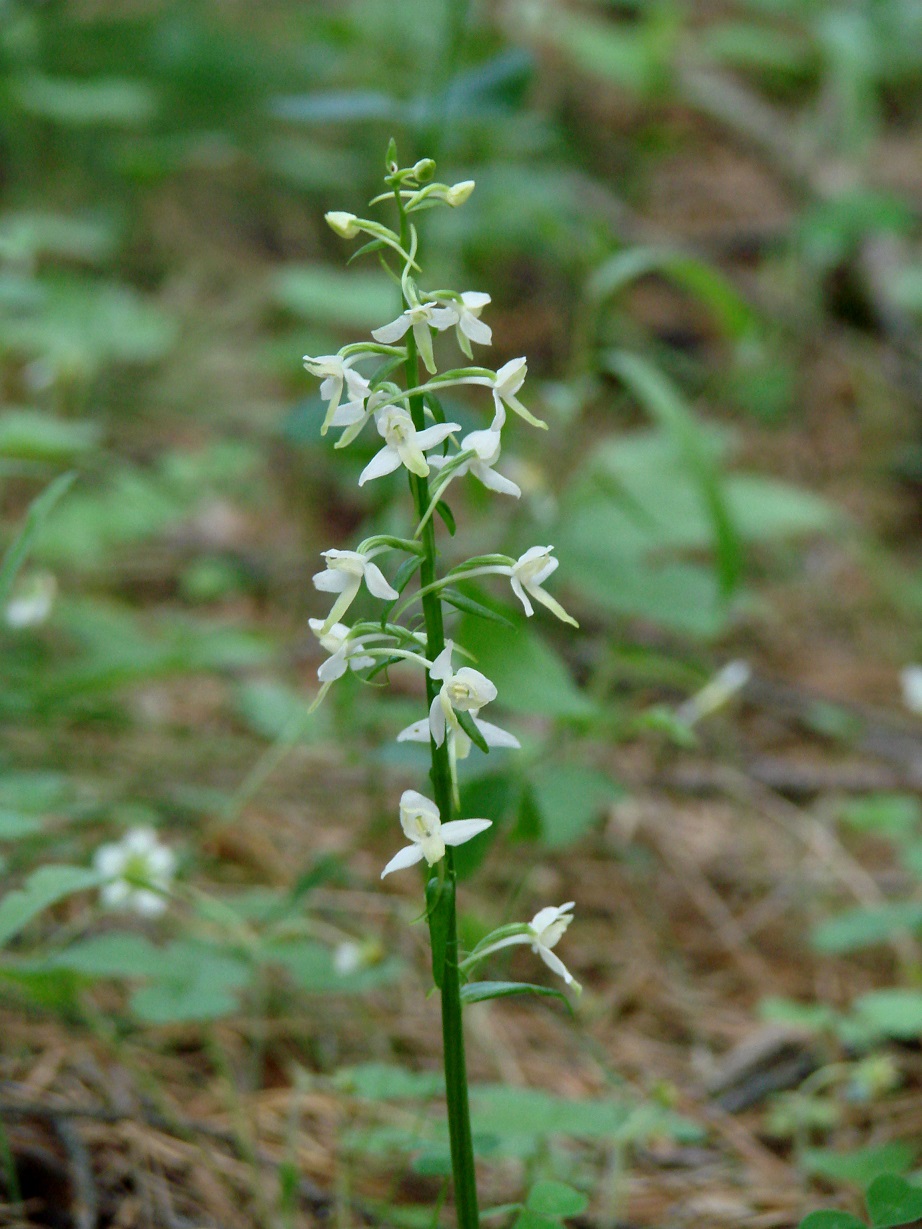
84 1207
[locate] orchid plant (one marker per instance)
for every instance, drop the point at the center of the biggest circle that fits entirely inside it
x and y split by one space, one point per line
360 385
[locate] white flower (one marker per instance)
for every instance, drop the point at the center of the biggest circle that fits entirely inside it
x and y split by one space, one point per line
468 325
462 691
421 317
346 225
337 376
420 821
543 933
911 682
528 574
404 445
344 573
138 871
347 958
32 601
505 384
486 446
719 691
345 653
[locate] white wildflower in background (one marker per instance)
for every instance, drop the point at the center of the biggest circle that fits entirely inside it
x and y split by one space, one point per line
404 445
344 573
138 871
32 601
728 682
428 836
911 683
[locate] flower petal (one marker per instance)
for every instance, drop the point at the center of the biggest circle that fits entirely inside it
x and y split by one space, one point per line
556 965
475 329
332 581
383 462
494 481
460 830
408 856
418 732
437 720
493 736
392 332
553 605
424 344
334 667
435 435
521 595
441 667
377 584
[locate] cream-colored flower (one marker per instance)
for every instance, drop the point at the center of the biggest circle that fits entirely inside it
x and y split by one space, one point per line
344 573
404 445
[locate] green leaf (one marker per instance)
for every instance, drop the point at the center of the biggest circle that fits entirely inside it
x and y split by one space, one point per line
197 981
30 435
860 1167
530 676
892 1201
468 605
112 955
668 407
39 511
466 722
14 826
381 1082
891 1013
556 1199
447 516
481 991
863 927
353 300
569 800
86 102
43 888
891 815
706 283
831 1220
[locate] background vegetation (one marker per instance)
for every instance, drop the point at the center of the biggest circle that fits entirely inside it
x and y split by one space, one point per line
701 224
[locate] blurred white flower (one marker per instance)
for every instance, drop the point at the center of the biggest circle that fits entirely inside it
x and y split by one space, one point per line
428 836
404 445
718 692
138 871
344 573
911 683
32 601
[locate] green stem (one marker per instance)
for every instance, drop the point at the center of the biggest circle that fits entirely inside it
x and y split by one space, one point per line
456 1095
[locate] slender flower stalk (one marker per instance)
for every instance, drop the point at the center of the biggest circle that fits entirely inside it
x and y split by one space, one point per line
417 440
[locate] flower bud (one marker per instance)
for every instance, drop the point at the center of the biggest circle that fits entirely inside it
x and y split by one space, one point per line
458 193
346 225
423 170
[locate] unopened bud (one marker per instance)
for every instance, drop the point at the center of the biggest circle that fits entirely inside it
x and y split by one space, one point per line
346 225
423 170
458 193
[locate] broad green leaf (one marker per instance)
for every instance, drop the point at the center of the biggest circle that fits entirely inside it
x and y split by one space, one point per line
196 981
14 826
892 815
311 967
556 1199
569 800
26 236
84 102
381 1082
353 300
531 678
862 927
111 955
892 1201
43 888
482 991
892 1013
667 405
831 1220
861 1166
31 435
